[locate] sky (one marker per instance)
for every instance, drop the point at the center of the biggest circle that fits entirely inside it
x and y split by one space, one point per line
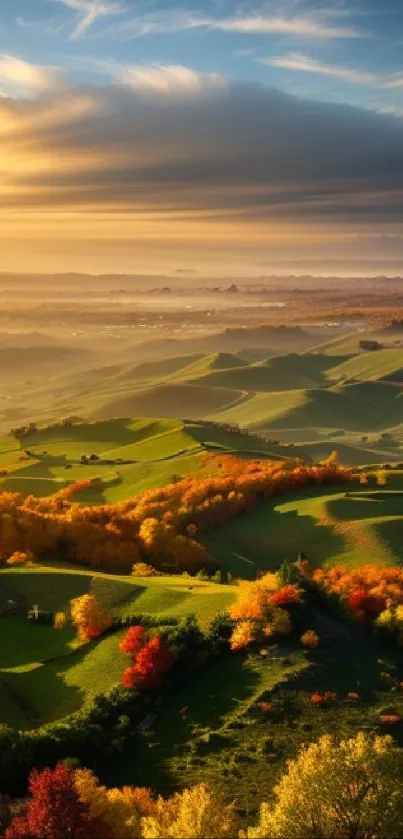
231 138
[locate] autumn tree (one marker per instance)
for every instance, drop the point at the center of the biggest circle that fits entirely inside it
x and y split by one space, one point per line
257 610
149 666
55 810
133 641
340 790
158 524
89 617
192 814
120 810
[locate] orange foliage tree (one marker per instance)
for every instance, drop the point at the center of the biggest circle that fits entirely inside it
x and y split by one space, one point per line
260 610
159 525
89 617
366 590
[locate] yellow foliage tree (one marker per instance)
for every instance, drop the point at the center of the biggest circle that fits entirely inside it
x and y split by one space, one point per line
381 477
243 635
338 790
253 599
120 810
192 814
59 620
89 617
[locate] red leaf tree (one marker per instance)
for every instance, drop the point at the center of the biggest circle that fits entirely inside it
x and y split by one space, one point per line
133 641
151 659
55 810
153 662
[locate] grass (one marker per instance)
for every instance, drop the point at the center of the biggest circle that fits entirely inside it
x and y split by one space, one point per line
42 676
160 450
288 372
382 364
226 740
225 693
171 400
328 527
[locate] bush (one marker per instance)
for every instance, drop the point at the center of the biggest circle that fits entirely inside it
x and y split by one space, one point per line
310 639
142 569
219 633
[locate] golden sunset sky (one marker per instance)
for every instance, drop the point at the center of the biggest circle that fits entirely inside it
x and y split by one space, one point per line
145 138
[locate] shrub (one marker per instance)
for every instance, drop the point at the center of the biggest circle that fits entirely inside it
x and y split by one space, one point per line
310 639
142 569
59 620
21 558
286 595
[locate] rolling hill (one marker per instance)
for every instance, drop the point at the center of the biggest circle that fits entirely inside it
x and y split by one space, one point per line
123 456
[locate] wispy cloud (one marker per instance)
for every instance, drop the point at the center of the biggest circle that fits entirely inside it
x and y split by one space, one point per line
164 78
52 26
90 11
178 20
19 78
306 27
305 64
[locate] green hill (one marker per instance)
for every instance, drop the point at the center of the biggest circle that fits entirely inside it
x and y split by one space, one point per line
290 372
158 369
123 457
382 364
172 400
358 407
44 673
330 528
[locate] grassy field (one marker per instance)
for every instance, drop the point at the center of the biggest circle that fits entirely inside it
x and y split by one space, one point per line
156 453
329 528
43 676
227 739
383 364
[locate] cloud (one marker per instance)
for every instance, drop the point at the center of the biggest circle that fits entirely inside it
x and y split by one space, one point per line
50 26
305 27
179 20
232 151
89 12
20 78
306 64
162 78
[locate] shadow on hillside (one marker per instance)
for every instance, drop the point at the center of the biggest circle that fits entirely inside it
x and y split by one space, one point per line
365 508
209 697
265 538
117 432
353 664
391 534
36 478
43 692
50 591
29 643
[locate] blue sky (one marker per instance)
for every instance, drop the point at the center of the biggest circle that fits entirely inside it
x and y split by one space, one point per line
346 52
228 135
